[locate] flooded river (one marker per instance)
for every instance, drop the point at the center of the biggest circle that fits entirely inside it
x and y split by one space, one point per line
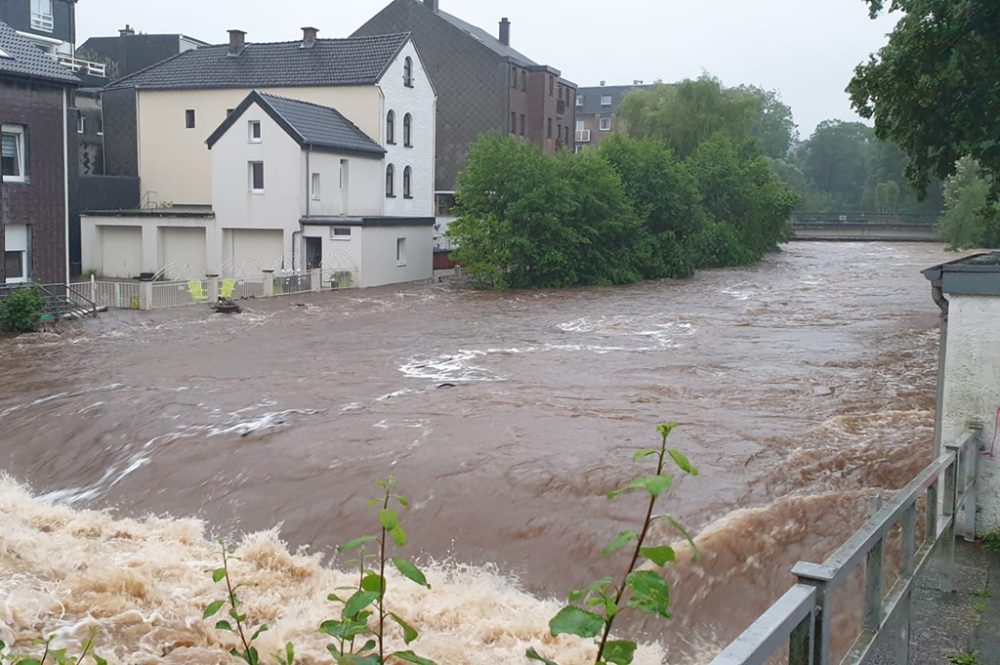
801 384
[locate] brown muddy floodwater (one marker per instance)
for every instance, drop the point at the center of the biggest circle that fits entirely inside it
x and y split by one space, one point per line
801 384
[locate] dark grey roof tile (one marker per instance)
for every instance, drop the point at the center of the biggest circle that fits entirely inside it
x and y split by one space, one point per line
23 59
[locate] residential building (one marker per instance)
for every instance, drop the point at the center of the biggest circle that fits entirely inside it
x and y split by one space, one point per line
483 84
130 52
294 185
597 112
330 164
35 130
163 114
51 26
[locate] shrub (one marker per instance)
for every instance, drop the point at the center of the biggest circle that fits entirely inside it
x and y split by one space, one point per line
718 245
20 312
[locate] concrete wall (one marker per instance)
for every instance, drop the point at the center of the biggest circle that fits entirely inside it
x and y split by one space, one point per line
418 101
99 238
972 388
174 161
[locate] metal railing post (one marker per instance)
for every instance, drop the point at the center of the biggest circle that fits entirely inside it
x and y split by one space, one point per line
800 644
819 578
908 544
951 478
873 586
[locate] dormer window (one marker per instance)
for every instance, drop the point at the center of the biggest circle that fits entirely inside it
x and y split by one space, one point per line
41 15
408 72
254 131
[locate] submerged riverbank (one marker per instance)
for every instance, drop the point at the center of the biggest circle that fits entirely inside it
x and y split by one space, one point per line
802 384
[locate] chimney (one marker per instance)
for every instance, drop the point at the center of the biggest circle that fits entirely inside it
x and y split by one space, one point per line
432 4
127 31
505 31
602 83
309 37
237 42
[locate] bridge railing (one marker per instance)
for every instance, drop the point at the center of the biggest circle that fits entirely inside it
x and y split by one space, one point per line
801 620
862 218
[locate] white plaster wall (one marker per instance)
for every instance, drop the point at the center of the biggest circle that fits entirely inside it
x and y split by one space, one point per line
379 255
339 254
419 102
175 162
972 388
364 182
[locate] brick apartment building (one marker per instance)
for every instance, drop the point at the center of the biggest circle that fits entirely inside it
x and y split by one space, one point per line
597 112
37 96
482 83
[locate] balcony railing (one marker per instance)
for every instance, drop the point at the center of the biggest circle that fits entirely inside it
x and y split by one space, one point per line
583 136
42 22
78 66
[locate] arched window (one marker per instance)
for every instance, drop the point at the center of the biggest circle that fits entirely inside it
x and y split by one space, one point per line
390 181
407 174
407 130
390 127
408 72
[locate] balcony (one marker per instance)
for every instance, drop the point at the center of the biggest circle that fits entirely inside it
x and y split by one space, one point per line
78 66
583 136
42 22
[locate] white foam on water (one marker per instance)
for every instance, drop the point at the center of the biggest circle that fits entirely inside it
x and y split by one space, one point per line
454 368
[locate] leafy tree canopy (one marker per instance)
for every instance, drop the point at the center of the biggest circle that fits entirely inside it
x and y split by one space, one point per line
933 90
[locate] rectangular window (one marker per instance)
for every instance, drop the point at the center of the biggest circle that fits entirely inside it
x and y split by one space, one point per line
81 123
579 125
256 171
189 118
400 251
13 265
229 112
523 124
562 92
340 233
253 129
513 77
605 124
13 150
41 15
315 186
552 83
100 125
606 100
513 122
579 100
524 81
549 133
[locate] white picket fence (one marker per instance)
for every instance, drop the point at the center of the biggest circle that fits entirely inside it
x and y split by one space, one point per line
128 295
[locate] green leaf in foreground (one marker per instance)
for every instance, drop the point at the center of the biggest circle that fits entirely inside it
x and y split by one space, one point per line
358 602
534 655
409 632
619 652
212 609
218 574
354 544
695 554
411 657
661 556
620 541
655 485
683 462
389 518
643 454
574 621
650 593
410 571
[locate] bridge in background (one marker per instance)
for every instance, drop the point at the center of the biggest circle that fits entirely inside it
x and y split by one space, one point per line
861 226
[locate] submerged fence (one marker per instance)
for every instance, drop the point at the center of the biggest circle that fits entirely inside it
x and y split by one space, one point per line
160 295
800 622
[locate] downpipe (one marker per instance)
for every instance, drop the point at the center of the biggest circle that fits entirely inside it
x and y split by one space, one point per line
942 302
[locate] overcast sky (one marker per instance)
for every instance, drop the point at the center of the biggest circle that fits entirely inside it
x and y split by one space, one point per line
805 49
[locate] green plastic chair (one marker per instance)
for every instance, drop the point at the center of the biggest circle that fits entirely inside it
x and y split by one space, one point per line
228 289
197 291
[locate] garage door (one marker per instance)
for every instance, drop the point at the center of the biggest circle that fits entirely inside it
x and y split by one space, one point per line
121 251
183 253
253 250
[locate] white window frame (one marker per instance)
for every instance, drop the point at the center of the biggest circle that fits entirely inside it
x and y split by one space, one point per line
400 251
337 233
605 124
251 125
25 267
81 124
316 186
40 20
606 100
100 125
21 142
579 100
250 183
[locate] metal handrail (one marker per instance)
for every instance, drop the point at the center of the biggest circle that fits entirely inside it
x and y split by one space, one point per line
802 618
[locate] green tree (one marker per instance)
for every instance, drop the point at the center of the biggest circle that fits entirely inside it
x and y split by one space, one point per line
774 124
963 223
739 188
837 160
531 220
933 88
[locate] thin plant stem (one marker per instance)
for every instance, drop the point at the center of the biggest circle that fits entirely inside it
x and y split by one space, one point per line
232 604
635 555
381 591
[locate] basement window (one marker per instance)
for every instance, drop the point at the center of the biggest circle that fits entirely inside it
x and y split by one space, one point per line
340 233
